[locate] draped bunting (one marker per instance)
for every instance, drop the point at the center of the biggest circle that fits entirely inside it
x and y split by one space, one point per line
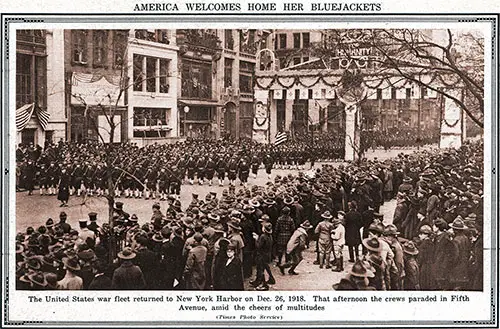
24 113
93 77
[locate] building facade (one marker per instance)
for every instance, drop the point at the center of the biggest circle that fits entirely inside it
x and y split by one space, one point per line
40 110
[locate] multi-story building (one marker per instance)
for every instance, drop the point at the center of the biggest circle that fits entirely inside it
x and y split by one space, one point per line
300 89
40 110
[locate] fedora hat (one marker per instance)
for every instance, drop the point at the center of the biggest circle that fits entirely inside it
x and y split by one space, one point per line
458 224
254 203
219 228
71 263
33 263
126 254
372 244
360 270
377 228
407 179
305 224
157 237
214 217
288 200
86 254
410 248
326 215
247 209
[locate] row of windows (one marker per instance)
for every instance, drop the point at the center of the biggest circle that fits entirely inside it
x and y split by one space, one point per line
98 42
300 40
245 78
151 74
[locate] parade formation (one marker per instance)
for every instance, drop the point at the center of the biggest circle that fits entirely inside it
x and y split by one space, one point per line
251 236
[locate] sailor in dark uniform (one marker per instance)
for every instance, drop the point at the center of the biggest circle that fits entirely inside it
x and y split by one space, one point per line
268 164
232 170
191 169
243 171
151 177
52 178
255 165
221 169
200 169
210 170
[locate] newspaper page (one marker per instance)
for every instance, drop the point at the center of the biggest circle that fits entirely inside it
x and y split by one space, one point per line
253 164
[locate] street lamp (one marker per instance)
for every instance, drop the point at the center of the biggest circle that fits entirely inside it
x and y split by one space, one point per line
186 111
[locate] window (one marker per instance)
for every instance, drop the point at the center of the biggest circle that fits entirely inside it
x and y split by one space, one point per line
138 72
296 40
196 79
246 77
305 59
164 86
100 44
79 46
149 117
151 74
228 39
246 119
247 41
296 60
24 88
228 72
282 41
305 40
119 47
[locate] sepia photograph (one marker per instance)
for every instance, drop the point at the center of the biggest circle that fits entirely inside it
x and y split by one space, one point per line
249 159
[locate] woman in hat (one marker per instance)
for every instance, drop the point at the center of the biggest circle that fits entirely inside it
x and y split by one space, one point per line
356 279
412 271
232 278
71 281
324 230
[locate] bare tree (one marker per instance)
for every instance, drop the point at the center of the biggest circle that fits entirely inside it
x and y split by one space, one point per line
454 60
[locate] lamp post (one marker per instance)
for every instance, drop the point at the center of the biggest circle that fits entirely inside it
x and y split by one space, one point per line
186 111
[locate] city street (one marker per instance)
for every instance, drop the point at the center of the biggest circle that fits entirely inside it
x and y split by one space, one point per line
34 210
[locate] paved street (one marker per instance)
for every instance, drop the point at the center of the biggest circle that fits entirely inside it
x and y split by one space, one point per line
35 210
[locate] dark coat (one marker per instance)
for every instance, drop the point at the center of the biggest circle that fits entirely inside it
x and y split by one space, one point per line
445 256
476 265
284 229
460 272
353 222
232 275
101 282
412 274
194 271
149 264
128 277
425 260
264 246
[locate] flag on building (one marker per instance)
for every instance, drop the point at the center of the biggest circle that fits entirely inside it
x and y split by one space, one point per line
304 94
281 137
23 115
43 117
387 93
290 94
278 94
261 94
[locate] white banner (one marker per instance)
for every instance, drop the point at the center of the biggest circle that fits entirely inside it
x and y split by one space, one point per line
304 94
278 94
387 93
261 94
401 93
317 93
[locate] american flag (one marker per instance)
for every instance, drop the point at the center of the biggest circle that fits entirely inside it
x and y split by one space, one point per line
43 117
23 115
281 137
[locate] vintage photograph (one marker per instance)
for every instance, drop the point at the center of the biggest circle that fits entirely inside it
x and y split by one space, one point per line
249 159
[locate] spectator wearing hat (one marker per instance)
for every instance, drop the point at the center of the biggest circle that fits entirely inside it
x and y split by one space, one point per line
284 230
219 263
235 237
85 233
62 222
397 273
232 277
38 280
71 281
338 242
147 261
353 223
93 226
128 276
295 246
263 257
324 230
356 279
101 280
425 258
476 263
411 279
172 263
445 254
194 270
459 276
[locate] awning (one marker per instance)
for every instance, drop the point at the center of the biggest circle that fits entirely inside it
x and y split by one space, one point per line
197 102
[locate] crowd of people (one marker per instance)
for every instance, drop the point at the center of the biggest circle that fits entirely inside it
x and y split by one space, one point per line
398 138
433 242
